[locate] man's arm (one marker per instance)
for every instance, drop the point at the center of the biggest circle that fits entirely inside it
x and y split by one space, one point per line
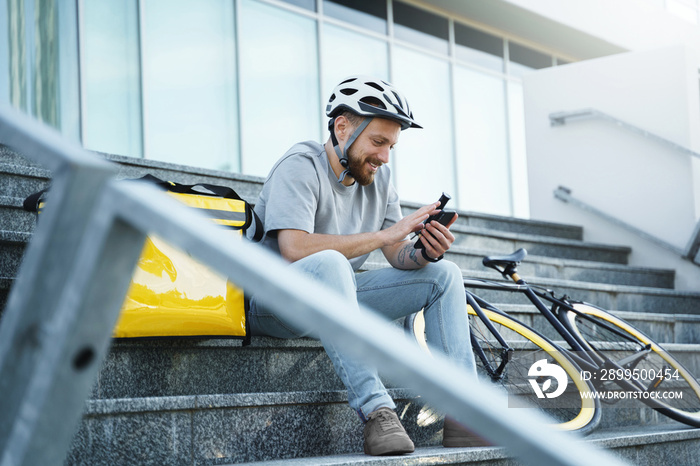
297 244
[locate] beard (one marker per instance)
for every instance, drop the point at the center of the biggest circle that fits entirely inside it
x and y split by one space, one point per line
357 168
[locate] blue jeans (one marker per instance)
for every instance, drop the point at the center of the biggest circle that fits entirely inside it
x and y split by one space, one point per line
393 293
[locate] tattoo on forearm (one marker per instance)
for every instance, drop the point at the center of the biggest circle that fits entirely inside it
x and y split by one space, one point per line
408 252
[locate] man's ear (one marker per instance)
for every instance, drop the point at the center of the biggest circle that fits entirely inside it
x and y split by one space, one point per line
342 128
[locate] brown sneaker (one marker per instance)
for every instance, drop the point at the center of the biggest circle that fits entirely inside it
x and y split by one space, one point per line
384 434
455 434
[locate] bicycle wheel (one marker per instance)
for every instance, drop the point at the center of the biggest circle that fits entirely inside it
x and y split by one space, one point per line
649 373
575 409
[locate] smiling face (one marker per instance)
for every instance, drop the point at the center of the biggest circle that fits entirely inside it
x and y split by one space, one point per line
371 149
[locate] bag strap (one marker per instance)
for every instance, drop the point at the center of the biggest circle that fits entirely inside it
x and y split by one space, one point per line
258 227
252 218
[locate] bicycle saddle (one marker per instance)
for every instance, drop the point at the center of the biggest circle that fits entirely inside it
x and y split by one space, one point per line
504 261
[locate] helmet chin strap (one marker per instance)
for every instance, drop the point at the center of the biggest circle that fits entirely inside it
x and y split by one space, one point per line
342 153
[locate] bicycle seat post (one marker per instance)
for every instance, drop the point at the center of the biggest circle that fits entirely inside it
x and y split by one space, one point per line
511 270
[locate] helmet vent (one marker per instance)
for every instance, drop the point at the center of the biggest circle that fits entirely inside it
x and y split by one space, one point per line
398 98
348 91
347 81
375 85
374 102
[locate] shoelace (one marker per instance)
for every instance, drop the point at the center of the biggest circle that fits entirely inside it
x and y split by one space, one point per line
386 421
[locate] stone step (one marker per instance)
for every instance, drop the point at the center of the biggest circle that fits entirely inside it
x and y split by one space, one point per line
506 242
641 447
22 180
255 427
141 368
10 156
12 246
217 429
13 217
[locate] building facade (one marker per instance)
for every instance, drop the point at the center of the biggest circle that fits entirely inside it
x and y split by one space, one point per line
232 84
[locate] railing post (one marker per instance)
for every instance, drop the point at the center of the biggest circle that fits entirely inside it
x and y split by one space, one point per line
56 326
694 244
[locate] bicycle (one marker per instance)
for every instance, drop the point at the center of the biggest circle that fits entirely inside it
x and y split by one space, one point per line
600 356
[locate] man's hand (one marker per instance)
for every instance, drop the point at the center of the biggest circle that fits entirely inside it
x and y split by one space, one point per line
439 239
403 255
409 224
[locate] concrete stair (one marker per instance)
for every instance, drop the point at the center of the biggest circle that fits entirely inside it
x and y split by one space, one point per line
211 401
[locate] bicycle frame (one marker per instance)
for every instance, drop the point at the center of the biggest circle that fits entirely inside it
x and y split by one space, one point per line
586 360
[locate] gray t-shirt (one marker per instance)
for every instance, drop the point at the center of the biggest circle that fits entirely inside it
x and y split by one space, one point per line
302 193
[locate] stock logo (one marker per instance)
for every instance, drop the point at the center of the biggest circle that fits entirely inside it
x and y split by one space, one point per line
542 369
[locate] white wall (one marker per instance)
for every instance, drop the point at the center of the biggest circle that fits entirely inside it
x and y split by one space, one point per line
624 174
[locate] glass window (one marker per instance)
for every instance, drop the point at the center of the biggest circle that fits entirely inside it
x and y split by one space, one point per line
5 55
279 84
17 48
478 47
524 59
420 27
44 64
422 161
69 71
482 148
111 80
518 155
346 53
189 83
368 14
307 4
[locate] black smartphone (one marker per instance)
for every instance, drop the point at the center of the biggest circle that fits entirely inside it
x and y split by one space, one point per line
443 217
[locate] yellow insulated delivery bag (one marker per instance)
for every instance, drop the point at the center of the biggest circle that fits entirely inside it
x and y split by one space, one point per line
174 295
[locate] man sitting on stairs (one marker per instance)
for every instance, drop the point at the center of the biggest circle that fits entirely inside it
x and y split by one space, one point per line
325 208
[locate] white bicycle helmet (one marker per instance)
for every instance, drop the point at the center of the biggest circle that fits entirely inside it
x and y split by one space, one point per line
371 97
368 97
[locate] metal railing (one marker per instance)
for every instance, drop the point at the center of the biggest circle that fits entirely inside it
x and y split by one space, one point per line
561 118
689 253
57 324
564 194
